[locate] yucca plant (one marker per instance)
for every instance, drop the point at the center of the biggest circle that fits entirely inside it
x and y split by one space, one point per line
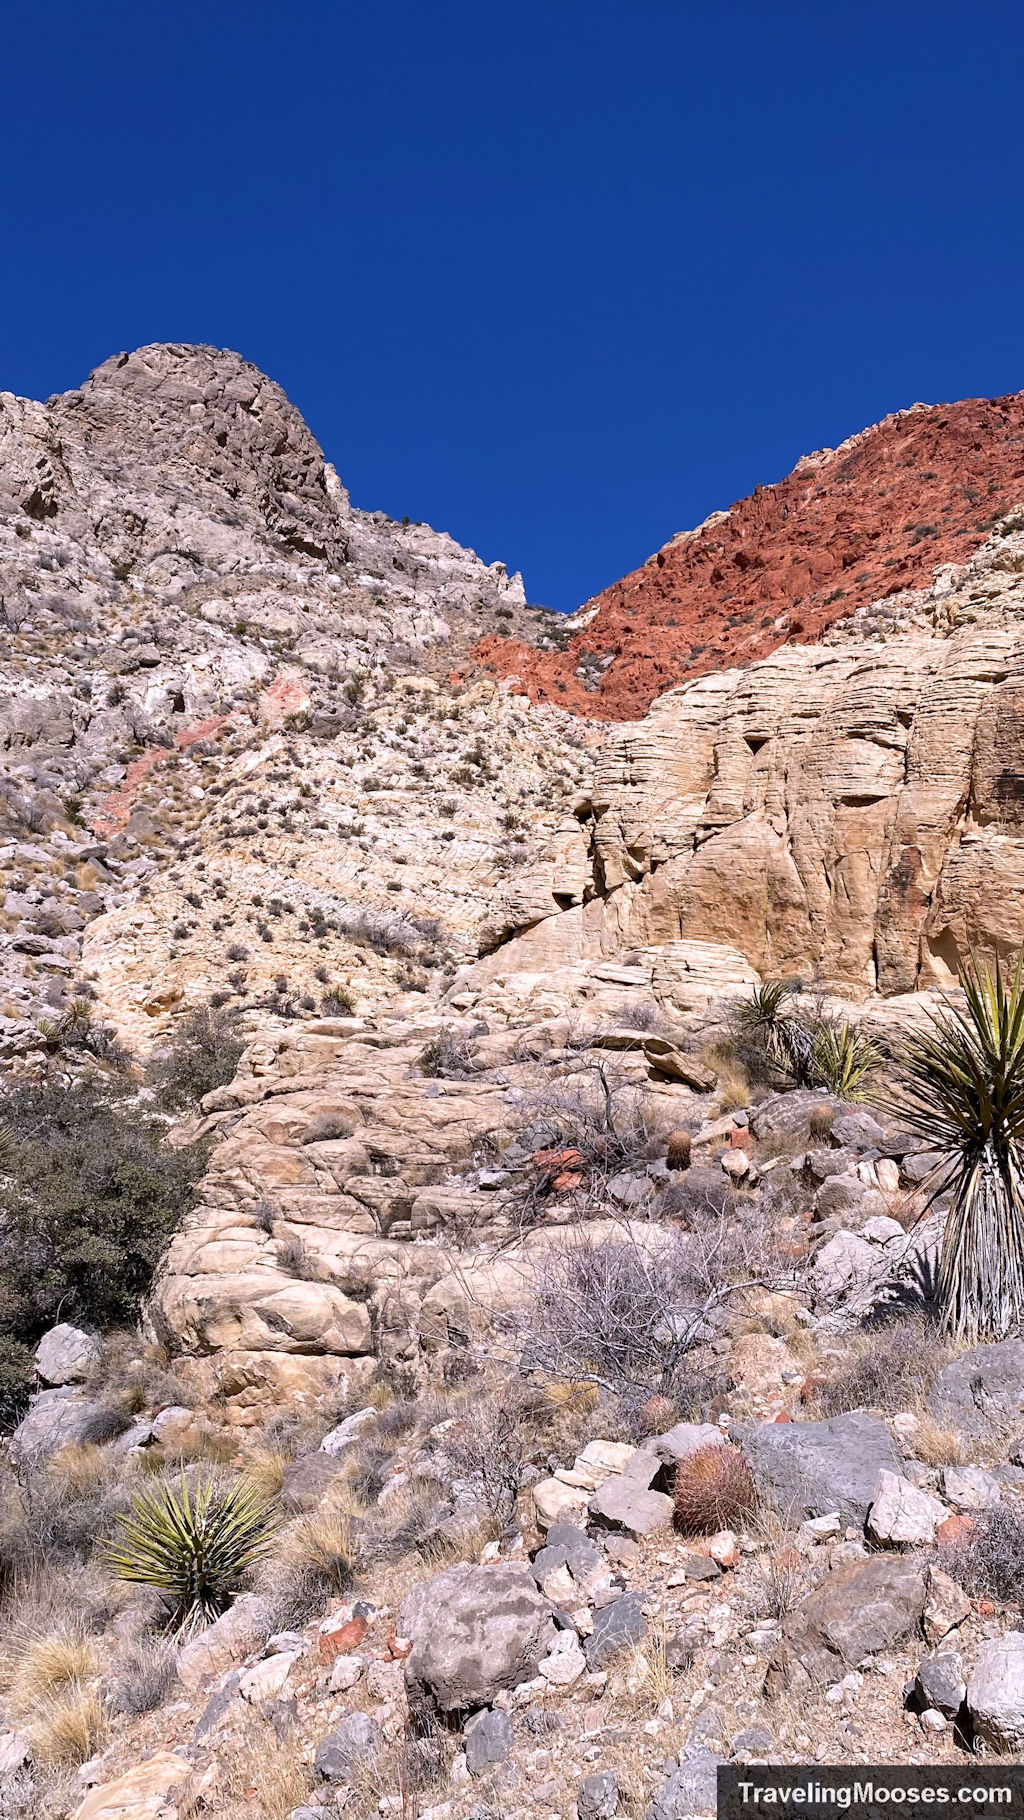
963 1092
842 1060
193 1546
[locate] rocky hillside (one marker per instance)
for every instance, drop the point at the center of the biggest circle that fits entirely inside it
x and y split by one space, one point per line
849 526
234 737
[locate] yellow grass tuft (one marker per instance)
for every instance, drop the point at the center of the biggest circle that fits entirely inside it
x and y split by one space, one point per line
51 1662
69 1730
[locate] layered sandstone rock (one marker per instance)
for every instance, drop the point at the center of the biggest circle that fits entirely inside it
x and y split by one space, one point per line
850 811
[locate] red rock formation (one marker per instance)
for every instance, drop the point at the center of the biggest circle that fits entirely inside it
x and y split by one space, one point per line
848 526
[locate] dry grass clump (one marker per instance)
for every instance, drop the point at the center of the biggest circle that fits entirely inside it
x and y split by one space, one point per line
713 1489
143 1676
69 1730
938 1446
888 1367
315 1560
264 1776
49 1663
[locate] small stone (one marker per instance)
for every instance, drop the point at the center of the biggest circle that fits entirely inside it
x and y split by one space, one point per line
901 1514
598 1797
348 1431
932 1721
558 1503
356 1740
616 1628
822 1529
723 1549
565 1662
488 1740
266 1679
345 1673
701 1567
940 1683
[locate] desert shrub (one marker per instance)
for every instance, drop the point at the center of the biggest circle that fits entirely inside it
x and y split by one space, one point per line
49 1662
88 1199
70 1729
315 1562
193 1546
143 1676
608 1121
636 1014
713 1489
386 931
989 1562
326 1125
809 1047
448 1055
17 1376
203 1053
489 1447
623 1314
886 1367
338 1002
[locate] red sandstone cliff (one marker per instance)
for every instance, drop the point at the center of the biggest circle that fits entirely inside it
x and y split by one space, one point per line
848 526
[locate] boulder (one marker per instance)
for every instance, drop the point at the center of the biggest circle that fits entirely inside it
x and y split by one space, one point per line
355 1741
946 1606
474 1631
488 1740
616 1627
939 1683
995 1692
162 1788
623 1503
982 1391
66 1355
556 1502
857 1611
56 1418
902 1515
970 1488
240 1631
691 1790
811 1469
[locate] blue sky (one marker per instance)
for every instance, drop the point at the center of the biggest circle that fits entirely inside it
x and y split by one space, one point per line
558 277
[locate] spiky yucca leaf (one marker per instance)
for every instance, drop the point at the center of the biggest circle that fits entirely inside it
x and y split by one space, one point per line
193 1546
762 1010
963 1092
842 1060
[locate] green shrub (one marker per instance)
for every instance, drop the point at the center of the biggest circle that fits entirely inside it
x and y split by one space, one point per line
193 1546
202 1054
89 1196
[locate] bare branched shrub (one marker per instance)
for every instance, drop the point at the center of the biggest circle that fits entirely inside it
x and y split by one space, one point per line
989 1563
609 1121
623 1312
324 1126
489 1446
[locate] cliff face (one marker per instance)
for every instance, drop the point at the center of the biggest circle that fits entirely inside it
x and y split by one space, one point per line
850 811
848 526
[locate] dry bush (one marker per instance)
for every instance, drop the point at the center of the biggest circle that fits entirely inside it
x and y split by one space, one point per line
609 1121
713 1490
889 1366
143 1676
623 1311
69 1730
324 1126
989 1563
450 1055
265 1467
51 1662
779 1575
315 1561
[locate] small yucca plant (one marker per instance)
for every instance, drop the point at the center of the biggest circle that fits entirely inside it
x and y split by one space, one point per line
713 1489
963 1093
842 1060
193 1546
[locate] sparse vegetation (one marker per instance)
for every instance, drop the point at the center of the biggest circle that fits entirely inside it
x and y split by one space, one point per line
193 1545
713 1489
962 1090
202 1053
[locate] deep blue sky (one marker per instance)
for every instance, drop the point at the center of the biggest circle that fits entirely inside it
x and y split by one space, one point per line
559 276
